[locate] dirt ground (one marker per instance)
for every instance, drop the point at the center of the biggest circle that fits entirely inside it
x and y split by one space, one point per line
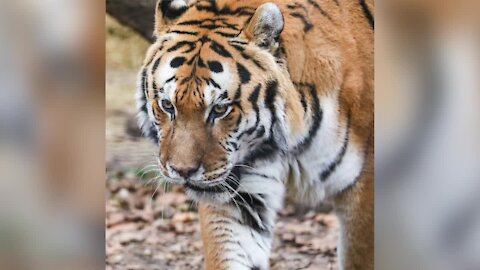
150 226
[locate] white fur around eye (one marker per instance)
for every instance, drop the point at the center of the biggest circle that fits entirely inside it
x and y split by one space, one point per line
178 4
224 79
165 72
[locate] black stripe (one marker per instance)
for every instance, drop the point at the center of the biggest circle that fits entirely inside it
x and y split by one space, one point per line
214 189
190 62
155 65
177 61
215 84
154 88
209 26
144 91
307 26
339 158
220 49
227 35
238 42
266 150
303 100
183 32
182 44
215 66
241 50
270 94
317 115
170 79
201 63
260 132
290 6
317 6
366 155
269 147
211 6
251 203
297 6
191 22
253 98
234 145
150 131
243 73
221 222
185 80
368 13
259 175
233 259
238 93
255 61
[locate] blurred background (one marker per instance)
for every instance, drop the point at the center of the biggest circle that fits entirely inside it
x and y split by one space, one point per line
427 113
57 198
52 130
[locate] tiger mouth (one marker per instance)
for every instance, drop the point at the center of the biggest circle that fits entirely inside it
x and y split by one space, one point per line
220 188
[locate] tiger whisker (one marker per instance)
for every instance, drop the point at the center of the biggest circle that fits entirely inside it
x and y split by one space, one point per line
232 196
237 181
238 194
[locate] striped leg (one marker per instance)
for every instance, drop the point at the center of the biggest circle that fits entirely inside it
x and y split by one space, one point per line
238 235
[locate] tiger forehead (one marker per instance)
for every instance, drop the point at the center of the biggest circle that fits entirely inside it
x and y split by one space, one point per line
190 85
196 71
198 59
199 20
207 14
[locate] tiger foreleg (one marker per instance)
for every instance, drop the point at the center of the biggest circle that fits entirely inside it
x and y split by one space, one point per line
238 234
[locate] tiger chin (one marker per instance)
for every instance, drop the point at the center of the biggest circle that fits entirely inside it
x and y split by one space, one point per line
251 100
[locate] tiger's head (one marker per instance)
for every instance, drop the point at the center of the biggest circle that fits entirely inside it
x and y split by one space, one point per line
209 93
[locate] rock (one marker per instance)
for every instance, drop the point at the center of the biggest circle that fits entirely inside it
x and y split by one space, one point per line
123 196
147 252
128 237
120 228
288 237
184 217
115 219
115 259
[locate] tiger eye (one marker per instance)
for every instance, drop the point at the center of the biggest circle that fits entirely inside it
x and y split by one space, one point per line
167 105
220 109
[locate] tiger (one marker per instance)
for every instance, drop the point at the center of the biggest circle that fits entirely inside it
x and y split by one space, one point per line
252 101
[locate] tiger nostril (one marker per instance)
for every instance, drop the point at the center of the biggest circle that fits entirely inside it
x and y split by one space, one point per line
185 172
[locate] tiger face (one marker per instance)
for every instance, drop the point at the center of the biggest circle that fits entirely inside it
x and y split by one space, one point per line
207 95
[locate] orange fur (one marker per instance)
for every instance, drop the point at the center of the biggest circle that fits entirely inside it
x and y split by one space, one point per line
326 44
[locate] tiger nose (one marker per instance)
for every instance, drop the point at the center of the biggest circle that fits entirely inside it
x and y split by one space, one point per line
185 171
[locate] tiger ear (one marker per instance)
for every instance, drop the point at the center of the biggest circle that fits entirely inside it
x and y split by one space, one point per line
265 26
168 11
